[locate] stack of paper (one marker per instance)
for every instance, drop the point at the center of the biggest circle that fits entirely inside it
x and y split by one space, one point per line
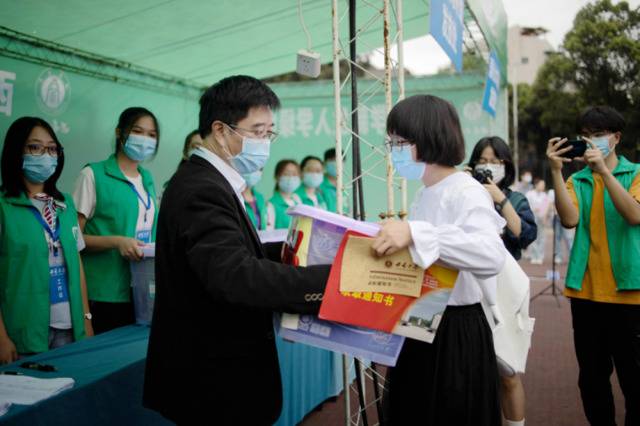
28 390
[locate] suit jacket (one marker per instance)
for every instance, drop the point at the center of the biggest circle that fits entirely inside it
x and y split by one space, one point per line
212 357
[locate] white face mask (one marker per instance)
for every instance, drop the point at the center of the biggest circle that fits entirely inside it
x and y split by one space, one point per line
497 171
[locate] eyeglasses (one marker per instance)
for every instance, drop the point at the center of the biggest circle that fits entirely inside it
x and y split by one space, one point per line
258 134
37 149
396 142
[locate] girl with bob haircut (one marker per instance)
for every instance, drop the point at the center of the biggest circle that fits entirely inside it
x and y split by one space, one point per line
452 221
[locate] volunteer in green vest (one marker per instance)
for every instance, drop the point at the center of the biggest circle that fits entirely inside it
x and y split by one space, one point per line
43 296
312 177
191 143
117 212
602 201
287 177
328 187
254 200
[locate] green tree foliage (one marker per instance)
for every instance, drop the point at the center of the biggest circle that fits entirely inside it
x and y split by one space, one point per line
598 64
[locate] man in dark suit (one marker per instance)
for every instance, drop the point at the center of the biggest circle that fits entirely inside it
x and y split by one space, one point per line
212 357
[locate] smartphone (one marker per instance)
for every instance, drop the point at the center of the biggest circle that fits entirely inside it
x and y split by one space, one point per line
578 147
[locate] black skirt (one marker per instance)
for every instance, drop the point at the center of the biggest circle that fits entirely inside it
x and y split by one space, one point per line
451 382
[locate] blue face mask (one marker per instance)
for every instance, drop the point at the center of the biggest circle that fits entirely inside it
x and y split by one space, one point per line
312 180
404 164
288 184
139 147
38 168
253 157
330 167
252 179
602 143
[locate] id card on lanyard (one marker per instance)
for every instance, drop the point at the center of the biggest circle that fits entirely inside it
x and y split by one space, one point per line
58 281
144 235
147 204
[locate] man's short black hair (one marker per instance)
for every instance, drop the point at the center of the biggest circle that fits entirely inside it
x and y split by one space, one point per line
601 118
230 100
432 124
329 154
501 151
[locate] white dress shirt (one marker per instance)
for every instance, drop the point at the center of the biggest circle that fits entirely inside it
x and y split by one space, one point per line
230 174
454 221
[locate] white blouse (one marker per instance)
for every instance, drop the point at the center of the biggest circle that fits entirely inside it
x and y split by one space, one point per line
454 221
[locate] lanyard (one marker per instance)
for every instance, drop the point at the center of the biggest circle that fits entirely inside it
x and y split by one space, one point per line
147 204
54 234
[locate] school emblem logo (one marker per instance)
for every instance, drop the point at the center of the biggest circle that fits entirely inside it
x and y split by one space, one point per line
52 91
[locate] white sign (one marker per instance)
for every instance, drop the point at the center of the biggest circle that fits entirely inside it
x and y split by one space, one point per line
6 92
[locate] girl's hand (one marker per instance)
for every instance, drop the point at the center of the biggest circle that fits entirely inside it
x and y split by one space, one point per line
8 351
496 193
393 236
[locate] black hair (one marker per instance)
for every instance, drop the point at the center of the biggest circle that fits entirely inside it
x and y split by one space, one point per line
128 119
12 160
282 164
308 158
432 124
600 119
187 142
501 151
230 100
329 154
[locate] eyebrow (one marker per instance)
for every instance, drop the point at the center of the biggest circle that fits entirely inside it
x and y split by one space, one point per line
143 128
40 140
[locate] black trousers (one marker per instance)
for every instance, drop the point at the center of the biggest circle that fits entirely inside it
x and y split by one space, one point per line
451 382
107 315
607 335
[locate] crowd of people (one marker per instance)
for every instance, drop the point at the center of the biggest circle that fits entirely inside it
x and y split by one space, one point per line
64 269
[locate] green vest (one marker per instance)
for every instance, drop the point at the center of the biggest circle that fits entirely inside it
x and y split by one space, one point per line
280 206
329 194
322 203
624 239
24 273
262 210
116 213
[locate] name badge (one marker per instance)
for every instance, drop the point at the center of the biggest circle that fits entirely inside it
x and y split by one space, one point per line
58 285
144 236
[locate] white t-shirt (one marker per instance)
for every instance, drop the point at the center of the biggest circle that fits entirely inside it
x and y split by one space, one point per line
84 196
454 221
59 313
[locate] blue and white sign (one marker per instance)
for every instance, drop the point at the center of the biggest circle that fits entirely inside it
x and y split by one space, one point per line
446 23
492 85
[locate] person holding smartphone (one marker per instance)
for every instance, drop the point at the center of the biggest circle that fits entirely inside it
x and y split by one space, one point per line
602 201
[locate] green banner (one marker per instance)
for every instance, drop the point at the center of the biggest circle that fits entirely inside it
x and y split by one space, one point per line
84 112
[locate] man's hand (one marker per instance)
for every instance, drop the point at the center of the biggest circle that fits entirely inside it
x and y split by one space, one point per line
554 152
594 158
393 236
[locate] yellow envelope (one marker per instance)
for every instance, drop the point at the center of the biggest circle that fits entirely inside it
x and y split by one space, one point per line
363 271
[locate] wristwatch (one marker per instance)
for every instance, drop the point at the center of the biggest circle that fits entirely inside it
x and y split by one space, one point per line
500 206
88 316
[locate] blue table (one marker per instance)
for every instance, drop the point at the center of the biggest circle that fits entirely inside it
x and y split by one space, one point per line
109 370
